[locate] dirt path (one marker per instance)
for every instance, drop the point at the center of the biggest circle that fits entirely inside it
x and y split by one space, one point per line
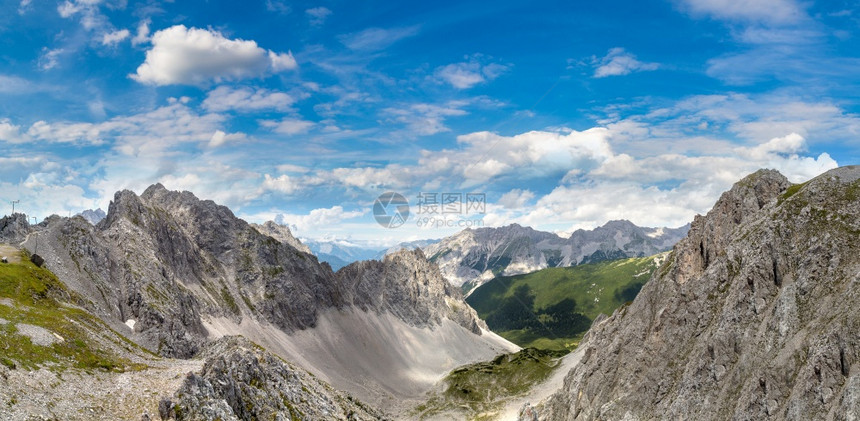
10 252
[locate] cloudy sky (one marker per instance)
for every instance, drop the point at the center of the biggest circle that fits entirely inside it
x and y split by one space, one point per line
564 114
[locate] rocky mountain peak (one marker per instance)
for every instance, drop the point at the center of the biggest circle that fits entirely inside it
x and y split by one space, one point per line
709 234
753 315
410 287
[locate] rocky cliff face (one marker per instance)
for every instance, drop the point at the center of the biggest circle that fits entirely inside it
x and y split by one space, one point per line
476 256
753 316
408 286
14 228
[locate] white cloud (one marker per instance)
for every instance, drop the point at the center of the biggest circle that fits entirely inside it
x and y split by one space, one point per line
11 133
515 199
768 11
288 126
789 144
88 10
425 119
278 6
42 194
318 15
619 62
142 35
193 56
23 6
220 138
468 74
78 133
483 156
375 39
50 58
245 99
150 133
281 184
317 219
113 38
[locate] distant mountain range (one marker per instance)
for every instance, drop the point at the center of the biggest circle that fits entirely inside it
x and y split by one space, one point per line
473 257
339 253
93 216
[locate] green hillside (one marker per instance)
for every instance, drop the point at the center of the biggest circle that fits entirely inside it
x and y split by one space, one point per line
39 327
552 308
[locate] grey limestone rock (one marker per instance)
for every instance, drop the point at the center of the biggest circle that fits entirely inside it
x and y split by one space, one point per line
753 315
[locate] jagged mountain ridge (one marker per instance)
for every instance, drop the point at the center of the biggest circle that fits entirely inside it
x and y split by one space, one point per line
752 317
477 255
174 272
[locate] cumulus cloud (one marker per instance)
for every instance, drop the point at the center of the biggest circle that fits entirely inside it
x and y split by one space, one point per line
246 99
318 218
193 56
619 62
281 184
468 74
318 15
375 39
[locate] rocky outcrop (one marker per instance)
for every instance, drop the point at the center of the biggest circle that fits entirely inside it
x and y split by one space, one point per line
408 286
281 233
14 228
476 256
753 316
242 381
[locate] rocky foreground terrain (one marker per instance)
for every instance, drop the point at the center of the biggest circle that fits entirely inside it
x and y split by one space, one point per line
753 316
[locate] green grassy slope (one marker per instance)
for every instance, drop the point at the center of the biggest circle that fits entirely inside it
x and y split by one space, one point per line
481 388
552 308
32 298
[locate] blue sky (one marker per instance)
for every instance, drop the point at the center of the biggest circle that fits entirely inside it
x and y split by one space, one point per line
564 114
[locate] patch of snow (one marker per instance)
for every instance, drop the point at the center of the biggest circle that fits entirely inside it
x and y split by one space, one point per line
130 323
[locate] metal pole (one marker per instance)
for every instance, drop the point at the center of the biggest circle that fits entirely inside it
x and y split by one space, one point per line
13 205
